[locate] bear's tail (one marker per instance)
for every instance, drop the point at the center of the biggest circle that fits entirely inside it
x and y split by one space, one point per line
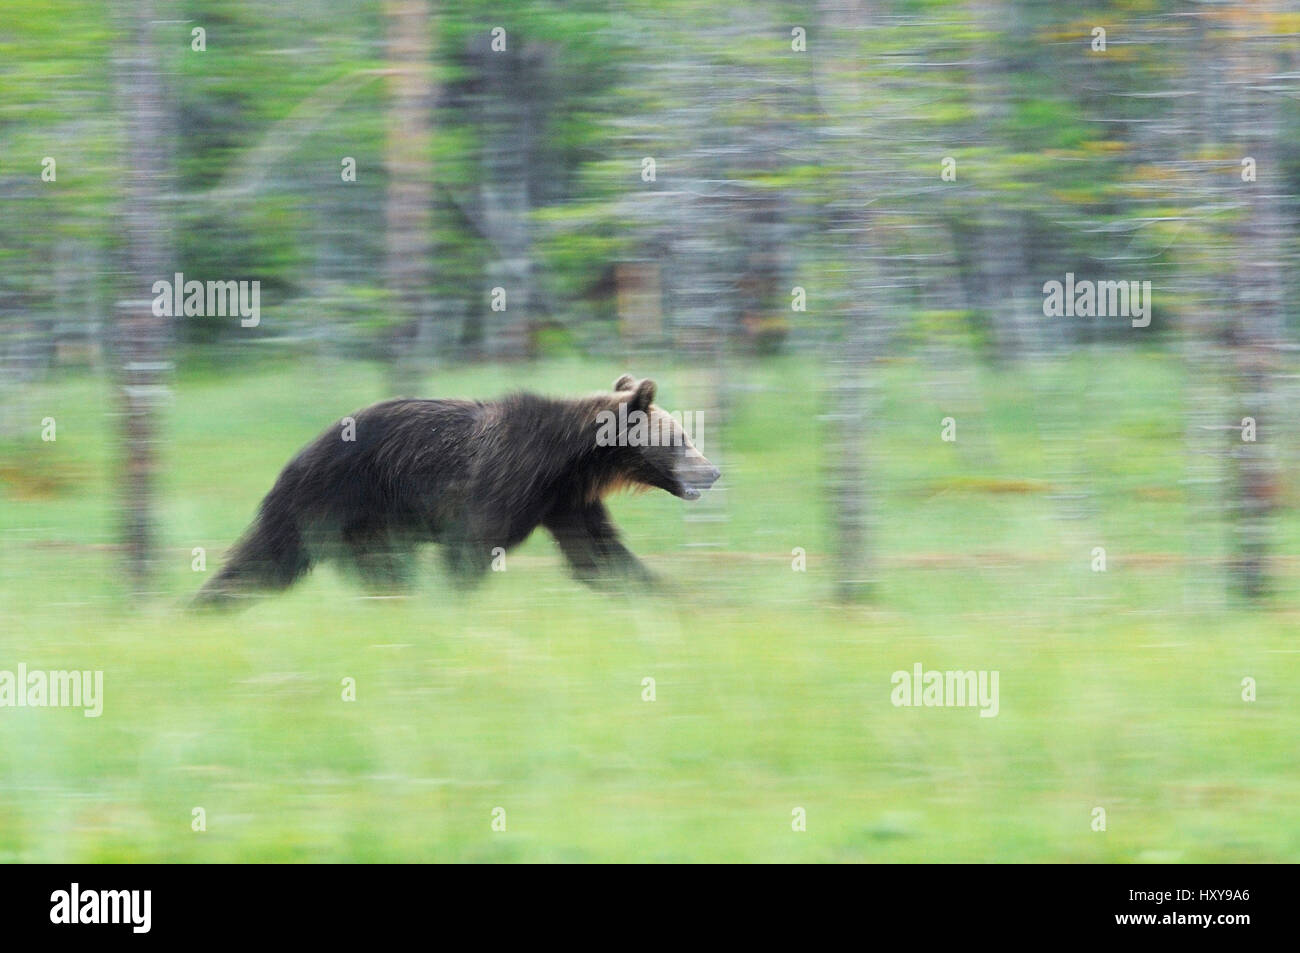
270 556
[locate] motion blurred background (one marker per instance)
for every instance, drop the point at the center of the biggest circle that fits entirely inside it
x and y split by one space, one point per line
826 228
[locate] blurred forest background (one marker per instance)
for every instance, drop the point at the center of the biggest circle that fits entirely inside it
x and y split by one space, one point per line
826 226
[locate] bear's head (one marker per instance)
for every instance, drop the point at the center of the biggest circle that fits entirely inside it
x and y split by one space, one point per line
650 446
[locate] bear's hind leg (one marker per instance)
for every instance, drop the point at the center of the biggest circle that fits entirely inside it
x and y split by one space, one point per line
467 562
383 564
269 557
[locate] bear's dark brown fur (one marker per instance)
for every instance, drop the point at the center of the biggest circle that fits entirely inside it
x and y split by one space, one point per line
472 476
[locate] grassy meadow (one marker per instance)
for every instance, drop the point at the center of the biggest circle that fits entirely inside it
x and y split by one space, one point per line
1118 689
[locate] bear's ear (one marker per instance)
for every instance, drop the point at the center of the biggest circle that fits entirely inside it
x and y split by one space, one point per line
624 383
644 395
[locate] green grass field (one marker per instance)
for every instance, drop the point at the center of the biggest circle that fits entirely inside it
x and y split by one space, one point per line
1119 690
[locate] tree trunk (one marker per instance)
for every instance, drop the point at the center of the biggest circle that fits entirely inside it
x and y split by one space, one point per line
142 340
510 127
1256 331
854 291
408 217
1001 239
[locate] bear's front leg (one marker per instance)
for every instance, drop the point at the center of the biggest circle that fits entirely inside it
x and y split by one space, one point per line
590 544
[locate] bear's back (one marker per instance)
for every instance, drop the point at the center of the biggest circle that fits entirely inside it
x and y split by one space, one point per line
390 461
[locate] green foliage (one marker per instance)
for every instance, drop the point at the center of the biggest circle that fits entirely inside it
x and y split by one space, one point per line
1038 123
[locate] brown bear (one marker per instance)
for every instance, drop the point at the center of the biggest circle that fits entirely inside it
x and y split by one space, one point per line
472 476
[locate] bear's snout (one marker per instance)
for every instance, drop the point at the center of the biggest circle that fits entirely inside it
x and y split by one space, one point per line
697 477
